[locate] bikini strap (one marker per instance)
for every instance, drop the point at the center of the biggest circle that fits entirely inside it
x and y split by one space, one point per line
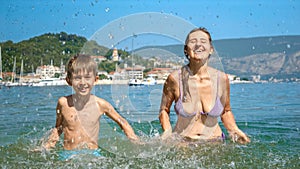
180 85
218 82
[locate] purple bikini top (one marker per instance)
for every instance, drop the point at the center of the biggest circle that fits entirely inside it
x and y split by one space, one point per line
216 111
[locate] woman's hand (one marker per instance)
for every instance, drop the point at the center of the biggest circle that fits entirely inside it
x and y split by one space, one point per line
239 136
166 134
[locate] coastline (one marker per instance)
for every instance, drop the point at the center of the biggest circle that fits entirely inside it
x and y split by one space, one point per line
121 82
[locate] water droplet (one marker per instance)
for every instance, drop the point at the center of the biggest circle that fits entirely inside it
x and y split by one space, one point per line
107 9
110 36
288 46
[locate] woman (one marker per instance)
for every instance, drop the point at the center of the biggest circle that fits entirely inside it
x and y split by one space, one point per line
201 94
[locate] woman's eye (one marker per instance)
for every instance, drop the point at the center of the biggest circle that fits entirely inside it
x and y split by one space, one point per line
193 41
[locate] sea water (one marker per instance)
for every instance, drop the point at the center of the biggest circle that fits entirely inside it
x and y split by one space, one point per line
269 113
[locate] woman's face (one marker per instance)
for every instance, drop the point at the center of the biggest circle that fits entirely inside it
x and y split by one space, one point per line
199 46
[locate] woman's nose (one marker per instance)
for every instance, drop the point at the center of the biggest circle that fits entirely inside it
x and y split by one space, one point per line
198 45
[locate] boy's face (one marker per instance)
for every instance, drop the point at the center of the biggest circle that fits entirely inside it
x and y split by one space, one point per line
83 82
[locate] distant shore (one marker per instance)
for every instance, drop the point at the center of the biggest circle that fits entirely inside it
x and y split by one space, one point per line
108 82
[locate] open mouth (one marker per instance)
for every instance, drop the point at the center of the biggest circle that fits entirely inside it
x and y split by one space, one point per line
83 89
198 51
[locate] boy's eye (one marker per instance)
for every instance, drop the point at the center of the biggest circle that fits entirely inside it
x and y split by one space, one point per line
77 77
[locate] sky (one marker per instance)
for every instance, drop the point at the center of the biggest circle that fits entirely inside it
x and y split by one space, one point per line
228 19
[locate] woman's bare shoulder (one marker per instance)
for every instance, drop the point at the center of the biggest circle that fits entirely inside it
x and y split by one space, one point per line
172 79
222 75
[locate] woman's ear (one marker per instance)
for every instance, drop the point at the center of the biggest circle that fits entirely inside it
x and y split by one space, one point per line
185 50
211 51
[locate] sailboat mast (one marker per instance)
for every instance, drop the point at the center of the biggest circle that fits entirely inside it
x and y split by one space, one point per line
13 75
21 72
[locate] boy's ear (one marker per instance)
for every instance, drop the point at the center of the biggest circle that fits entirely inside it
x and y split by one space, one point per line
68 80
97 78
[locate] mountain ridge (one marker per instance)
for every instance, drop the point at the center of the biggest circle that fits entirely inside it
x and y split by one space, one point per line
266 56
274 56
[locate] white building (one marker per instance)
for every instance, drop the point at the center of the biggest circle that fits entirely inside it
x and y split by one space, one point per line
49 71
99 59
115 55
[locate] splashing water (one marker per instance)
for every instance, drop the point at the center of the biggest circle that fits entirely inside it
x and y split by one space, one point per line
272 136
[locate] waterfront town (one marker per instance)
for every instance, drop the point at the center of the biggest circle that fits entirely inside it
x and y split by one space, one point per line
50 75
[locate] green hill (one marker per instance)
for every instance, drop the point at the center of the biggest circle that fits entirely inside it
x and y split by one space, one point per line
42 49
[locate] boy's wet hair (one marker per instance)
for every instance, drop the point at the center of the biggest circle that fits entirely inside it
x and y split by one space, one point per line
78 63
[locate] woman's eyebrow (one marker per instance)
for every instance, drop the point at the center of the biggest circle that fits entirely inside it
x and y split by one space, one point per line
199 38
192 39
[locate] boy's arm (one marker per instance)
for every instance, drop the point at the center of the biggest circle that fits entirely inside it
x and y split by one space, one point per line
56 132
114 115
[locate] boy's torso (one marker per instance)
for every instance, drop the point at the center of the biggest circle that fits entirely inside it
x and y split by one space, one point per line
81 127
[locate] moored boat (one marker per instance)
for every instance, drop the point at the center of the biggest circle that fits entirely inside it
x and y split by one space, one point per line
135 82
50 82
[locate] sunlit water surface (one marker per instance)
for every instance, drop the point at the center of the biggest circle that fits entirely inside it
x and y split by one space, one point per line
268 113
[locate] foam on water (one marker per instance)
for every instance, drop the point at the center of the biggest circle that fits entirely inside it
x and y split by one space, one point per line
28 114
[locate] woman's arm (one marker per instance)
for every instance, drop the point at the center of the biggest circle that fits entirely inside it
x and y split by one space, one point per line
228 119
168 97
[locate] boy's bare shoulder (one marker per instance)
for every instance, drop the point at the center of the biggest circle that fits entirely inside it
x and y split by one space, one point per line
64 100
102 102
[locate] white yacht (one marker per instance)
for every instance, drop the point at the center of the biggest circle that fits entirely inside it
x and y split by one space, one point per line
135 82
149 80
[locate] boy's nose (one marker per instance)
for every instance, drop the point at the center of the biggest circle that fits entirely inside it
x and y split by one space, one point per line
82 80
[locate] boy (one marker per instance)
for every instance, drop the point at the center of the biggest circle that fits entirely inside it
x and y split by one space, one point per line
78 115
